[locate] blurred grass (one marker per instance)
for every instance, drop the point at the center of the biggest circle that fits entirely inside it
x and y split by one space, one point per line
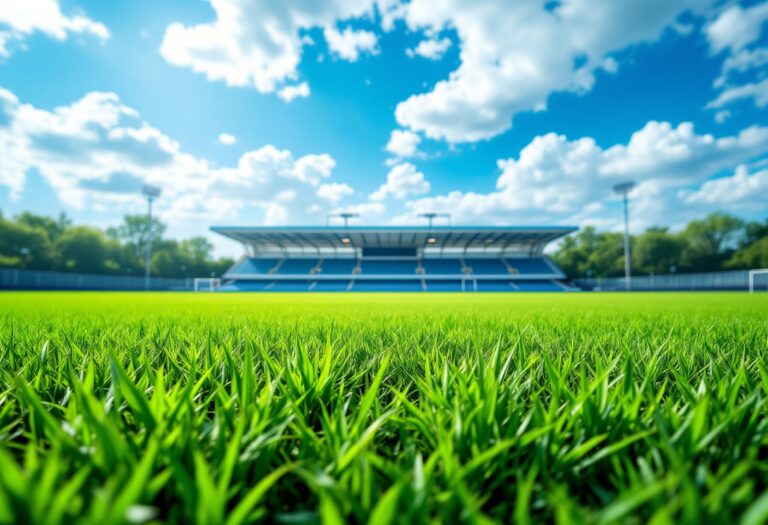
375 408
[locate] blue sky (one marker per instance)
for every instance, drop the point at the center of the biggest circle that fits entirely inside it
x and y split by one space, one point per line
498 112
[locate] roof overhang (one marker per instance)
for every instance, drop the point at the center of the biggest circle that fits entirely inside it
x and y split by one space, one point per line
282 238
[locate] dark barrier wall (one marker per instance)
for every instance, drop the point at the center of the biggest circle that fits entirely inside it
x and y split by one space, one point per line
17 279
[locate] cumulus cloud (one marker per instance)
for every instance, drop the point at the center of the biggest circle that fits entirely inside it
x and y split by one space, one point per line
431 48
97 152
19 19
334 192
736 27
557 179
737 189
288 93
514 55
257 44
403 143
402 180
735 32
757 91
227 139
349 44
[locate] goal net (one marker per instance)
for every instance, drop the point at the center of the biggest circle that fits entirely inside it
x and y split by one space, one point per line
207 284
758 280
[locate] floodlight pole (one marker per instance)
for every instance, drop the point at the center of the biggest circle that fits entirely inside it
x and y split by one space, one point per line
431 216
151 193
345 216
623 189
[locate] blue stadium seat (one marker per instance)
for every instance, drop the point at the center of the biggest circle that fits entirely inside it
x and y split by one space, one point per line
529 266
441 266
494 286
444 286
538 286
486 266
387 286
253 265
290 286
331 286
338 266
297 266
245 286
393 267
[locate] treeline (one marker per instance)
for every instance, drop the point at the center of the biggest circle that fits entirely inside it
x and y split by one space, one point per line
716 243
37 242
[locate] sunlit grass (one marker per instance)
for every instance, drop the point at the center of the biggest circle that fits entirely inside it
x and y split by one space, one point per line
329 408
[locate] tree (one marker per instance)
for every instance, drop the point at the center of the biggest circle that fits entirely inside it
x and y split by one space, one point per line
134 232
754 255
83 249
710 241
24 246
53 227
656 250
589 253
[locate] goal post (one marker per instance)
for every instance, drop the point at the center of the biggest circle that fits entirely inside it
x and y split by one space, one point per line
207 284
756 278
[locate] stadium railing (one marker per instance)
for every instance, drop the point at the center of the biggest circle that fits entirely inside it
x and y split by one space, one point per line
732 280
20 279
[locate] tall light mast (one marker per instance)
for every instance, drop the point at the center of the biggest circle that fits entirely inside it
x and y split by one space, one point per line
151 193
623 189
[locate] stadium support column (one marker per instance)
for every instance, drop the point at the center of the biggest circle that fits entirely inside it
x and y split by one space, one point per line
151 193
623 189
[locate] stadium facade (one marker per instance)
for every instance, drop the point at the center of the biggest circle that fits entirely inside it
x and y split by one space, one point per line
392 258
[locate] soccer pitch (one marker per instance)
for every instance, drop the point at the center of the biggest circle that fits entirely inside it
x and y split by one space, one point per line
373 408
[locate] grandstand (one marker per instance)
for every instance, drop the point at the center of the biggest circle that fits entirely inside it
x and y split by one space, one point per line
394 259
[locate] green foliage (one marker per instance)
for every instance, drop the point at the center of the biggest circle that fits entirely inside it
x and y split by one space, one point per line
402 408
702 246
42 243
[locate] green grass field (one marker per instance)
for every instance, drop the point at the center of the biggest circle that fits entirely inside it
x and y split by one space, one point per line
212 408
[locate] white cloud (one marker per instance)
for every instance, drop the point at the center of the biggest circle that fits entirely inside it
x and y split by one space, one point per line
252 43
758 91
722 116
515 54
556 179
402 180
97 152
403 143
334 192
288 93
350 43
733 31
737 189
227 139
365 209
21 18
736 27
431 48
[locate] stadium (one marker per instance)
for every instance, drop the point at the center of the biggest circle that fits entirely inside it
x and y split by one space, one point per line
394 259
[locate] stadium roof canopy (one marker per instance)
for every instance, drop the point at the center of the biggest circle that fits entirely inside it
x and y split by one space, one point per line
528 240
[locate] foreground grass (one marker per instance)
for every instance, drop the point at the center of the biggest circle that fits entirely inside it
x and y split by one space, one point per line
357 408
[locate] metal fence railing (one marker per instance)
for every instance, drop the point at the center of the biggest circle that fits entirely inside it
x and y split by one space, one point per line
734 280
18 279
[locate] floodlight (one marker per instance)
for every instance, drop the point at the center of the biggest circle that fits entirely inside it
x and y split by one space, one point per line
431 216
431 240
623 189
151 193
345 216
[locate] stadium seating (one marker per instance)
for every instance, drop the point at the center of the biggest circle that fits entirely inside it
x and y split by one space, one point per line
297 266
387 286
444 286
338 266
253 265
493 286
486 266
289 286
538 286
536 265
246 286
393 267
441 266
330 286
